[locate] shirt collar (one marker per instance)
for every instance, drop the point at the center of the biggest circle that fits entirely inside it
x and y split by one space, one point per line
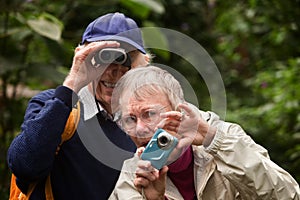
89 104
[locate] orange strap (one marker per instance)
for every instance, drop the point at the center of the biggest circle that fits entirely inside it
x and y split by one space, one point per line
48 189
70 127
71 124
15 192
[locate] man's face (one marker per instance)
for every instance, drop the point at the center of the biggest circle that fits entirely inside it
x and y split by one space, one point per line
112 74
140 117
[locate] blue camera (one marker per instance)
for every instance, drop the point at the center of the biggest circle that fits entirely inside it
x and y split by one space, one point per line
159 148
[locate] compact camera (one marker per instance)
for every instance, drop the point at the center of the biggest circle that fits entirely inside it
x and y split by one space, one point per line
159 148
112 55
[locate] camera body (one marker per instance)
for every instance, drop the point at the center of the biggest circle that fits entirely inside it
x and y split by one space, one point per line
111 55
159 148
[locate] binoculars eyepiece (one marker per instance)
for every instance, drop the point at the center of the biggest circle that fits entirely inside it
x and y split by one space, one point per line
112 55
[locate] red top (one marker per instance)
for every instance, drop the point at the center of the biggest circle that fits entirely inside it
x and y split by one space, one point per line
182 175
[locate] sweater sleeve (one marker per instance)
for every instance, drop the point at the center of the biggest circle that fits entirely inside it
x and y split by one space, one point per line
31 154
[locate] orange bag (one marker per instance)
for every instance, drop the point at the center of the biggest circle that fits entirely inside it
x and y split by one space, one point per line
71 125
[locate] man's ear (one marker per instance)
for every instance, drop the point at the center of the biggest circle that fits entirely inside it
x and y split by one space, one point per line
148 58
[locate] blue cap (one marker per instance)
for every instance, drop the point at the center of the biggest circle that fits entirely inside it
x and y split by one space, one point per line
114 26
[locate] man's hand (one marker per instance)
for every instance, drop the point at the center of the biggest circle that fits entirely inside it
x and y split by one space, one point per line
82 71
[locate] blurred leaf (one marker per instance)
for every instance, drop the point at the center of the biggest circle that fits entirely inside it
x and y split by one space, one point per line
153 5
47 25
296 136
136 9
142 8
156 40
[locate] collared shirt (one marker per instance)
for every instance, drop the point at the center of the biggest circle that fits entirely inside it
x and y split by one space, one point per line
90 105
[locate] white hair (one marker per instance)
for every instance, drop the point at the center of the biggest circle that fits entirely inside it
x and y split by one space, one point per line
145 82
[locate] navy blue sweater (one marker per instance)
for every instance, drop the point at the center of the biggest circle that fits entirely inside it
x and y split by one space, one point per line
86 167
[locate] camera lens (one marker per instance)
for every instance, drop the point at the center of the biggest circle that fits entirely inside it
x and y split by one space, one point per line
164 140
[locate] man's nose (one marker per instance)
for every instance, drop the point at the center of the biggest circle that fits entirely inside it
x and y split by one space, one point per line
116 71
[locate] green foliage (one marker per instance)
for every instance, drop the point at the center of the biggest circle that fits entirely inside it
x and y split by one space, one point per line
254 43
260 64
274 121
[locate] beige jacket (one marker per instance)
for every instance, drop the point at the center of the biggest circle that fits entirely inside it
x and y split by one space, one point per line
233 166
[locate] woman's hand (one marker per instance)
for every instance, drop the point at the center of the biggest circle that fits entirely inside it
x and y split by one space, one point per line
83 71
149 181
186 124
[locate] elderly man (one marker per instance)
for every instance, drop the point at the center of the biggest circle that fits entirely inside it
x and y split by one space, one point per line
87 166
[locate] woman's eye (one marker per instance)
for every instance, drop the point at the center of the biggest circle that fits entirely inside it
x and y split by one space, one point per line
129 119
150 114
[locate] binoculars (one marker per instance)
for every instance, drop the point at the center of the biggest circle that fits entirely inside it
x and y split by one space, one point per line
112 55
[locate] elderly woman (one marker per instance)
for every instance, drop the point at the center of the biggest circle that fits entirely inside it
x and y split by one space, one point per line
212 160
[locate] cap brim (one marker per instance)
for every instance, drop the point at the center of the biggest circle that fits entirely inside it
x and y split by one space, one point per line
118 38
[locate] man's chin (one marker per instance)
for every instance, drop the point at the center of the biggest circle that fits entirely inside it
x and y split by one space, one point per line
105 101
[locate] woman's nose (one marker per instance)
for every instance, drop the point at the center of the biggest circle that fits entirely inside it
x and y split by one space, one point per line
142 131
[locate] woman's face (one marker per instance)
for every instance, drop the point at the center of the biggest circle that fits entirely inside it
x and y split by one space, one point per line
140 117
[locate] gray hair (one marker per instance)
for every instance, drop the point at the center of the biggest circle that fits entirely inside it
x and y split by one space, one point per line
145 82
